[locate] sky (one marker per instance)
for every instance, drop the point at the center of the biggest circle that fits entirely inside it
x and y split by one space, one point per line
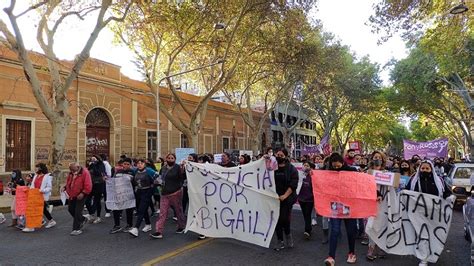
344 18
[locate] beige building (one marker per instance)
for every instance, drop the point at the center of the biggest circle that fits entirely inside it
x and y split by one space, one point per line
106 118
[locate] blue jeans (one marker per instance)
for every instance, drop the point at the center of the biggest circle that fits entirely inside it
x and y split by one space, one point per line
351 228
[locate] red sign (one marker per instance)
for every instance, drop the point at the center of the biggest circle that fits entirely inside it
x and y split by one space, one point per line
355 145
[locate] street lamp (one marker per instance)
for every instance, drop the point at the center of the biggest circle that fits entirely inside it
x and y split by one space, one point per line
459 9
157 99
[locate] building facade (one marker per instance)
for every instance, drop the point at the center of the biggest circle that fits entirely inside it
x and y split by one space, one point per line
106 118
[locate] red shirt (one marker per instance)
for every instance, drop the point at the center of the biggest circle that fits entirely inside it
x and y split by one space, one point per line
38 181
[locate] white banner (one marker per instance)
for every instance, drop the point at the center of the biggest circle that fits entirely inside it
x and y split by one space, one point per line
239 202
120 195
411 223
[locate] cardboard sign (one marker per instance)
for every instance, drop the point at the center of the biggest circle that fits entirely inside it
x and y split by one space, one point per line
238 202
182 154
411 223
34 208
120 195
21 199
386 178
344 194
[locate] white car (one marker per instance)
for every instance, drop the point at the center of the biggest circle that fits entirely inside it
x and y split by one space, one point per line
461 178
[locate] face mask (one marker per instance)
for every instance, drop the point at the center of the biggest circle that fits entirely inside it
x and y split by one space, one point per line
425 175
170 163
378 162
307 170
405 169
362 165
13 175
280 160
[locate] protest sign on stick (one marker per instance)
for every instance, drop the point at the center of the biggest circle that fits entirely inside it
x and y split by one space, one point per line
411 223
238 202
21 198
34 208
344 194
120 194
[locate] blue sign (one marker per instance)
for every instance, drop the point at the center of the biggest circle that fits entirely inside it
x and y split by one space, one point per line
182 154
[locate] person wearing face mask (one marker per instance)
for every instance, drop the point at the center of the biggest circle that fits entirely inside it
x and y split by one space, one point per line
306 199
78 186
336 163
438 167
16 180
286 182
44 182
143 182
172 176
378 163
426 180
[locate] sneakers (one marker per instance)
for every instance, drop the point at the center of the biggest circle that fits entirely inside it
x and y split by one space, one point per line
289 241
371 253
314 222
157 212
365 240
307 235
134 232
423 263
175 218
156 235
116 229
28 230
351 258
201 237
107 215
127 229
279 245
50 224
97 221
87 216
329 261
2 218
76 232
147 228
180 231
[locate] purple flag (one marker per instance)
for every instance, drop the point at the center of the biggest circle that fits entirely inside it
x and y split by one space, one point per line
310 150
429 149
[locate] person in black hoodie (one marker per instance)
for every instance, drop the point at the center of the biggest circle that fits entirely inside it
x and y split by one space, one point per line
336 163
16 180
172 176
93 202
286 182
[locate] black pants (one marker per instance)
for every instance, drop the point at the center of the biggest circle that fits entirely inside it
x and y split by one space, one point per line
46 212
185 199
307 209
283 223
128 213
143 197
75 208
93 203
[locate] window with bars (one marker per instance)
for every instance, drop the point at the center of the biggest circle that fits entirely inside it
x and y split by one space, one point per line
225 143
18 145
152 145
184 141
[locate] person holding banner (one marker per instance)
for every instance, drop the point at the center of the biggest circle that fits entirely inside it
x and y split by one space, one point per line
78 186
43 181
16 180
306 198
144 179
172 177
226 162
286 182
125 172
336 163
426 180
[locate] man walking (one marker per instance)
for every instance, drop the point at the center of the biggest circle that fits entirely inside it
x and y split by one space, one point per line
78 186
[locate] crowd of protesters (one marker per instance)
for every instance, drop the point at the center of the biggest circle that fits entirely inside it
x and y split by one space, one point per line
161 187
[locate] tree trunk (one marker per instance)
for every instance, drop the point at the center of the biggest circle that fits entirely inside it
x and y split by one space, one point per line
255 141
58 140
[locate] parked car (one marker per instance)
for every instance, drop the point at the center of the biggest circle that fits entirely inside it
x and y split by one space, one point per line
468 214
459 178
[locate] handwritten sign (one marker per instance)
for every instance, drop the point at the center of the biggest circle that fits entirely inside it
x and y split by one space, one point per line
344 194
411 223
34 208
120 194
386 178
21 199
182 154
218 158
238 202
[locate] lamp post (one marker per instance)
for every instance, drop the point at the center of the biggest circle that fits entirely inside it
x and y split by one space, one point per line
157 99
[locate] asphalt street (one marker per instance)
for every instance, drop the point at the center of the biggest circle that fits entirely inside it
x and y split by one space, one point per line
97 247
